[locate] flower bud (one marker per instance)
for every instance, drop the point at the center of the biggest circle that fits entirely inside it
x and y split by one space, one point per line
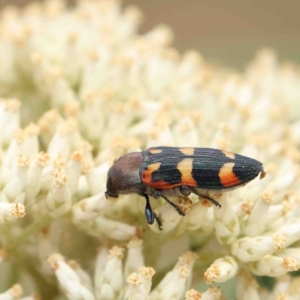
169 218
251 249
35 174
135 258
114 229
136 289
9 119
175 282
213 293
109 284
255 224
221 270
193 295
140 283
227 225
247 287
11 212
15 292
274 266
69 281
195 217
59 197
73 170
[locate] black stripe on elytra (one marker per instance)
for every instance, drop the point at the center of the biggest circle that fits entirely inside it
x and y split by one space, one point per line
167 172
207 166
169 158
246 168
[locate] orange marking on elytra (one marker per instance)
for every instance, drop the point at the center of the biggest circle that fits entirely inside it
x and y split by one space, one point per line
155 151
161 185
227 176
147 174
185 166
187 150
229 154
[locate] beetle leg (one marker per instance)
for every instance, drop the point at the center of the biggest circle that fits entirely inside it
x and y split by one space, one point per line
150 214
159 224
180 212
215 202
148 210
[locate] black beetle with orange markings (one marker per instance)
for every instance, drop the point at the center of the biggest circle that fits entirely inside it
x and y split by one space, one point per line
173 171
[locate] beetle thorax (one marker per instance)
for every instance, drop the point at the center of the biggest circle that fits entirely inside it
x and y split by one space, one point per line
124 175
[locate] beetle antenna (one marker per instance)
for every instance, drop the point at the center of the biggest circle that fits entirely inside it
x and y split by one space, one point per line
159 223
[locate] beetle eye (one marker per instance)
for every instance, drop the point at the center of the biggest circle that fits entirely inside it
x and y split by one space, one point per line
109 184
111 191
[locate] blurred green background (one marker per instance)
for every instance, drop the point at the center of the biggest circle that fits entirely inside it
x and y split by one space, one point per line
228 32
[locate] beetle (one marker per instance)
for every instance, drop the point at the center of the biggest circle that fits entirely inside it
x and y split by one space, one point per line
175 171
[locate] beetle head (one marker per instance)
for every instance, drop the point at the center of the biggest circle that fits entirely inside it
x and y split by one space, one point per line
124 175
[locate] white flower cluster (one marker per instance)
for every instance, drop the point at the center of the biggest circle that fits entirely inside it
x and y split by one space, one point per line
108 282
79 88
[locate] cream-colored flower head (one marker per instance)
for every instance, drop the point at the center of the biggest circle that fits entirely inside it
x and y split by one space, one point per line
79 87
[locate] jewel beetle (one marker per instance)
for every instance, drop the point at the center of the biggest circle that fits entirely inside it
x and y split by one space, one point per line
174 171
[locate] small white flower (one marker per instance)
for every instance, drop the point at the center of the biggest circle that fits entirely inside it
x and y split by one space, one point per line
100 263
86 210
69 281
59 197
85 278
255 224
9 119
110 282
136 289
290 231
112 91
169 218
290 252
12 192
247 287
140 284
135 258
193 295
251 249
147 273
59 146
274 266
176 281
35 174
195 216
213 293
114 229
95 177
15 292
73 170
221 270
227 225
11 212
